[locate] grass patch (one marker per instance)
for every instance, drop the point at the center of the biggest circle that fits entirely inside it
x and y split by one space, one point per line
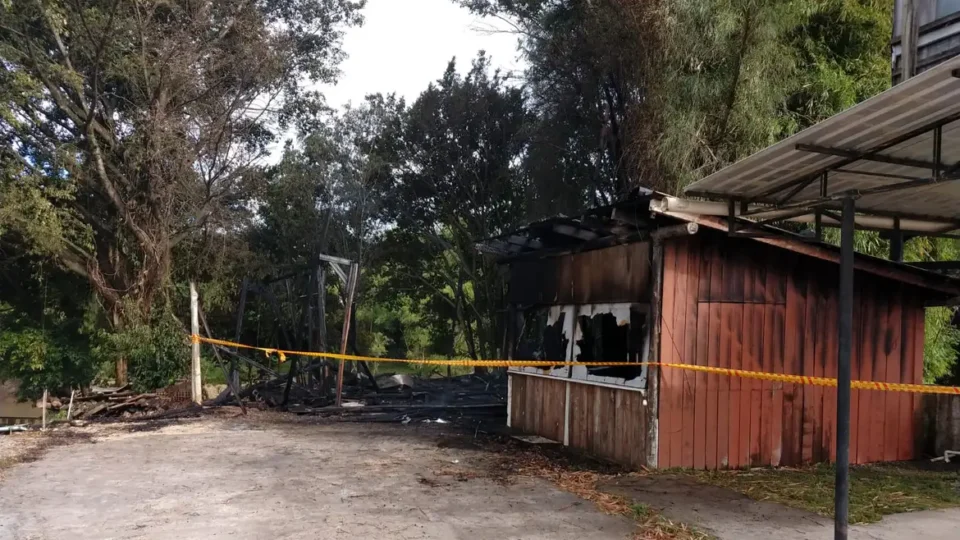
875 490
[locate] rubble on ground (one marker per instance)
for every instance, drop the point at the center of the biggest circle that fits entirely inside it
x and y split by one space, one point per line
123 402
402 398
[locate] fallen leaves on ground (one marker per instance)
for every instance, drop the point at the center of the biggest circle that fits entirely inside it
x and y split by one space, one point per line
651 524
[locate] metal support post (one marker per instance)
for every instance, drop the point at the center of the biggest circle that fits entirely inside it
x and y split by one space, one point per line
818 219
842 485
731 216
896 241
196 391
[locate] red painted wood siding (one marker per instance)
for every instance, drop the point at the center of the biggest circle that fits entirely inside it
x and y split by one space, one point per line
736 303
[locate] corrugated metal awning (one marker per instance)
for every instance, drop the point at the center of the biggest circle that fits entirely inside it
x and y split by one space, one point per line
883 152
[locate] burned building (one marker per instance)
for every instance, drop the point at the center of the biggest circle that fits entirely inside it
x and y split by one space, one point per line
639 283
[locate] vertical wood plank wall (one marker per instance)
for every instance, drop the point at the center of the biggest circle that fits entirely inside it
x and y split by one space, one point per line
538 406
605 422
735 303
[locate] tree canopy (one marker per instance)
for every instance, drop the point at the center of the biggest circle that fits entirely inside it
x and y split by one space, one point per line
135 143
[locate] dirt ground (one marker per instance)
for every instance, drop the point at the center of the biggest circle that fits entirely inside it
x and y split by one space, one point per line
277 476
257 479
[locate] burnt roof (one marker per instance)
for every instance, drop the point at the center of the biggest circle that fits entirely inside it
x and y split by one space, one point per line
632 220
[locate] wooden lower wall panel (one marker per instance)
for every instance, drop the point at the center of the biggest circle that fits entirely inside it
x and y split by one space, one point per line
606 422
537 406
609 423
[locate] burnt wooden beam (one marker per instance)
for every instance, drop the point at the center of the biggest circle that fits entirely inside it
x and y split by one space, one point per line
673 231
234 386
241 308
334 260
599 243
653 354
575 232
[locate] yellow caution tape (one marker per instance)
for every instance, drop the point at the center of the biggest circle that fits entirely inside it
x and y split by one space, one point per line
548 364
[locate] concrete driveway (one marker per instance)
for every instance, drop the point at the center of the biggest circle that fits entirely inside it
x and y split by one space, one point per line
239 479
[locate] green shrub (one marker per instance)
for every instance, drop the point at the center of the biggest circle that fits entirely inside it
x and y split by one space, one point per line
52 358
156 353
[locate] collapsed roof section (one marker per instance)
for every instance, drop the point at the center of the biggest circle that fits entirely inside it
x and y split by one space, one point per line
602 226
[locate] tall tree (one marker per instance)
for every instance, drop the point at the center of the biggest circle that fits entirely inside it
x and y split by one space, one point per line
591 67
452 175
126 126
660 93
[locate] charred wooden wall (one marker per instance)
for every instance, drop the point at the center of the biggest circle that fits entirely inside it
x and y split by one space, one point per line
735 303
604 421
941 423
614 274
537 405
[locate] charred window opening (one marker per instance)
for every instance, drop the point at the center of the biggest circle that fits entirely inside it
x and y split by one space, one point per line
542 337
612 336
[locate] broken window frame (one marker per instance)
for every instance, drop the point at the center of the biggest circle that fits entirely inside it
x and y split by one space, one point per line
568 312
623 311
571 327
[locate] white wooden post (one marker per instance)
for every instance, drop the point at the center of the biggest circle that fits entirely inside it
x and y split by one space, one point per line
70 407
195 383
44 425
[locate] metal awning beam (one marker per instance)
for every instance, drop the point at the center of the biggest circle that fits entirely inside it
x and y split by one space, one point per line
800 187
879 175
812 177
950 176
858 156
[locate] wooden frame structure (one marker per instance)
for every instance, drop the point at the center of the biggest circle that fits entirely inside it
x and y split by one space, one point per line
768 301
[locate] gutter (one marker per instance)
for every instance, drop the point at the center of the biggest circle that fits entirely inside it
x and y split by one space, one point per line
710 208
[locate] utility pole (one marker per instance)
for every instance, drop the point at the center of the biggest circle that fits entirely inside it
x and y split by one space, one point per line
196 390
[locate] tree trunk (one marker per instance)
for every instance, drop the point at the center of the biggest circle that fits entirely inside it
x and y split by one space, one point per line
121 363
121 371
466 325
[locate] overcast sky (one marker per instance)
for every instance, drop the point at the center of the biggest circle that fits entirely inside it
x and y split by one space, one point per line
403 45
